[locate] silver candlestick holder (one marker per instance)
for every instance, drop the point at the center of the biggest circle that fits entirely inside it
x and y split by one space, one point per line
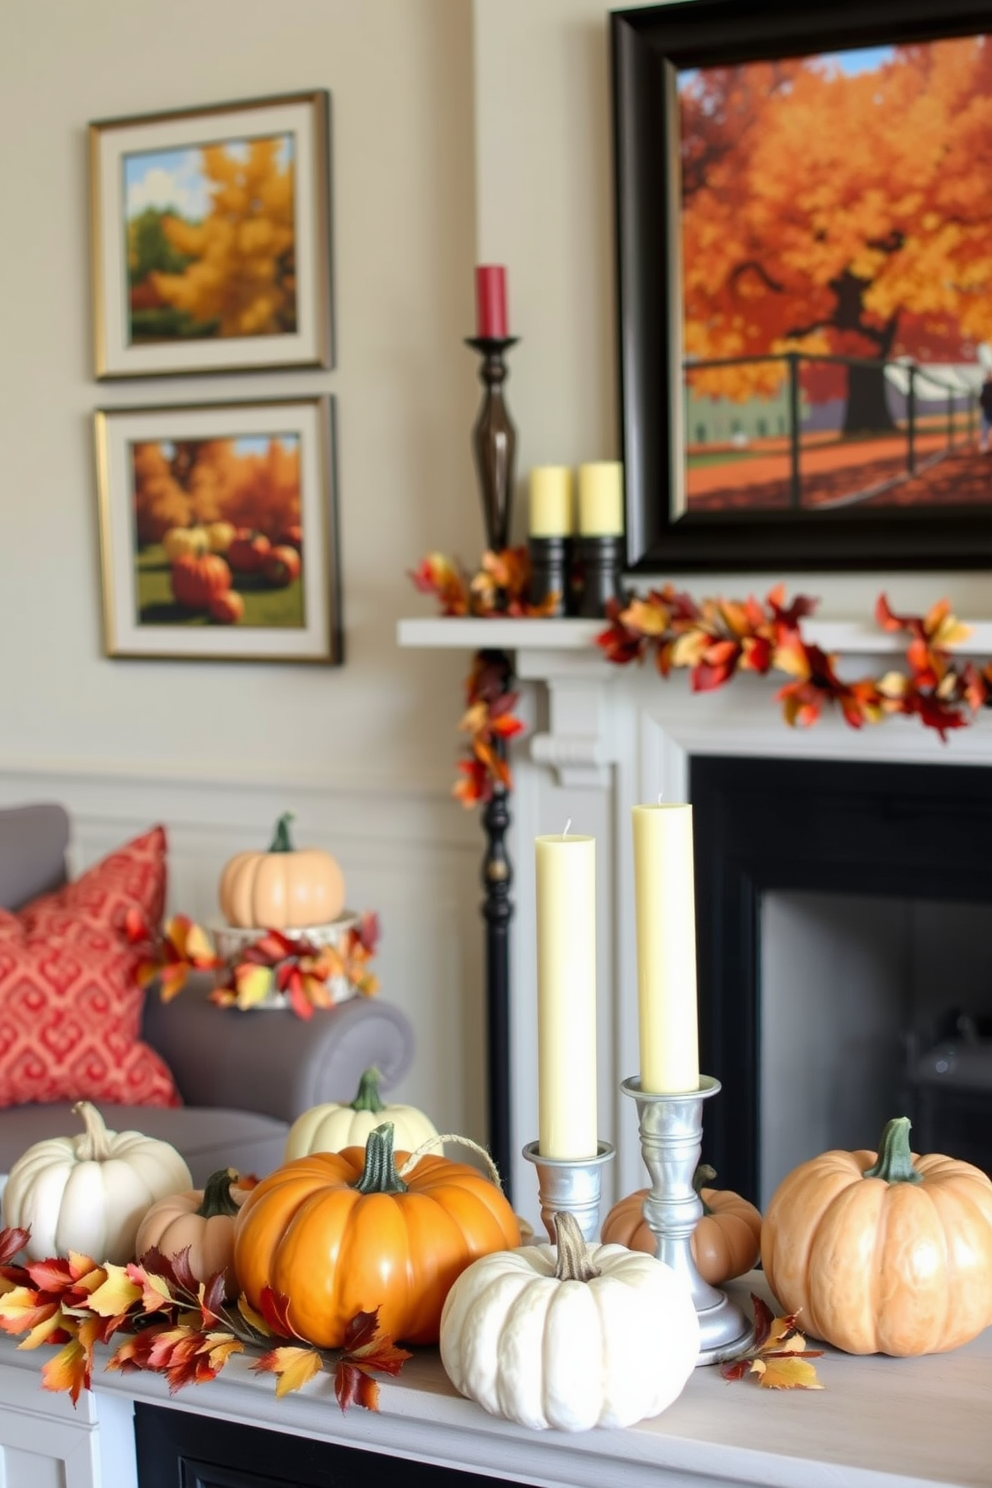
671 1131
570 1185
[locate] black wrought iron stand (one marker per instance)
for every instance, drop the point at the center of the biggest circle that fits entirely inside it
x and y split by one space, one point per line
494 443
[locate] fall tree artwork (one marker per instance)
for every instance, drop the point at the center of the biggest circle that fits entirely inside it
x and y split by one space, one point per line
211 241
836 255
218 539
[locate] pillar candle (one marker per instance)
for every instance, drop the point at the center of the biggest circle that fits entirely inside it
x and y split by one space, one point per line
664 907
566 996
490 301
550 501
601 499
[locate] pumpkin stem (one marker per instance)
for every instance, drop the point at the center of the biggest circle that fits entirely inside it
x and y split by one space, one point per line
281 840
368 1097
703 1174
217 1197
894 1162
93 1145
573 1255
379 1174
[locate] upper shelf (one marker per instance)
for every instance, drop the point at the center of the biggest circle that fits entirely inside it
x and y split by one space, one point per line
838 637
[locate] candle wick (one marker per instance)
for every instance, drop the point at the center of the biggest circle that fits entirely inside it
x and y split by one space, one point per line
660 794
567 825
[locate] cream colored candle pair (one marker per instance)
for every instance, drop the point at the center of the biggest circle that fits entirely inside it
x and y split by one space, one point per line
598 511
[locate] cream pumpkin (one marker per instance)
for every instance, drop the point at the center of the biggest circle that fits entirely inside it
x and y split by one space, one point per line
883 1252
725 1243
89 1193
179 542
282 889
570 1337
199 1221
332 1127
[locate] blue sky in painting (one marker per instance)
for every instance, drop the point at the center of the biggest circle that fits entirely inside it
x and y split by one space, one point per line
246 444
173 180
853 62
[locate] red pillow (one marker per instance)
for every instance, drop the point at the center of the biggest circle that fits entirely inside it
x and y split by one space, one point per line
70 1008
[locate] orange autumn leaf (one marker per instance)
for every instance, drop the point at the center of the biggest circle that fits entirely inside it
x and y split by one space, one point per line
293 1367
790 1373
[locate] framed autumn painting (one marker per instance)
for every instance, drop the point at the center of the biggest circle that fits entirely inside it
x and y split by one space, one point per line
211 238
805 283
218 536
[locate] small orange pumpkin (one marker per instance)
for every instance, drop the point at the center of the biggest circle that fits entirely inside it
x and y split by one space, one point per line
725 1242
201 1220
198 579
282 889
883 1253
338 1233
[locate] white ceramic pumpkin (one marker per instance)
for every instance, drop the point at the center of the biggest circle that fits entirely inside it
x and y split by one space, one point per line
89 1193
570 1338
332 1127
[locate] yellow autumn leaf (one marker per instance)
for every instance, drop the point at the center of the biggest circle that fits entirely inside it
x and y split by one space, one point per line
220 1346
252 1318
67 1371
253 985
785 1374
893 685
792 660
116 1294
649 619
689 649
44 1330
293 1367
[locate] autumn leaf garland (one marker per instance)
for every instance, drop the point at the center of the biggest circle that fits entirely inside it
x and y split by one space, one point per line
714 640
173 1325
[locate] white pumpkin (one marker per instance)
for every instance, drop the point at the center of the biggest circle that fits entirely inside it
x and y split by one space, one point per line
570 1338
90 1193
332 1127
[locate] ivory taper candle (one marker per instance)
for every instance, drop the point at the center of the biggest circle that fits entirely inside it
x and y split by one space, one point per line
566 996
665 916
601 499
551 501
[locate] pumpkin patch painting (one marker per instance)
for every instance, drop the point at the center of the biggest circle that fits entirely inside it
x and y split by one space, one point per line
836 315
218 539
217 531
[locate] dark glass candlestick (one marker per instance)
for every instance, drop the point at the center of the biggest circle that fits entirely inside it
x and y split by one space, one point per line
494 440
598 569
549 571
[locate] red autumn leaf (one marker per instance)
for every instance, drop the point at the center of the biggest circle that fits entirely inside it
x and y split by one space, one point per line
352 1387
706 678
763 1319
274 1307
12 1240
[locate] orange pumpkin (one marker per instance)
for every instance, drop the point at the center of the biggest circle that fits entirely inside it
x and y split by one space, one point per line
883 1252
282 889
725 1242
197 579
201 1221
339 1233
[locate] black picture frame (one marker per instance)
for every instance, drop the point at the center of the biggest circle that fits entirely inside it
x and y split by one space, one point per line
648 45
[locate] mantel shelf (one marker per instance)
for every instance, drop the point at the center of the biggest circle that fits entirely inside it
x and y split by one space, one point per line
838 637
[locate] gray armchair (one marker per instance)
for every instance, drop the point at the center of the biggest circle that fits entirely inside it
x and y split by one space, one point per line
244 1077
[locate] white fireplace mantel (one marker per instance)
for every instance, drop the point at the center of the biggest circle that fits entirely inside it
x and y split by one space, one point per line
602 737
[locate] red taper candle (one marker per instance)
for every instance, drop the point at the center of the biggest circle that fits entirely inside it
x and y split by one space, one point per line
490 301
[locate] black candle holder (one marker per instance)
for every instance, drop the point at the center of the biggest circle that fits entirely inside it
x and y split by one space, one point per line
550 572
596 575
494 440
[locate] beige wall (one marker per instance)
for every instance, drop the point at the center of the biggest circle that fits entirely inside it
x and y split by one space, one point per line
463 131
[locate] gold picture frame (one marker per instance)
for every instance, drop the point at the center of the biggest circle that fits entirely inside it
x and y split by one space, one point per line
211 243
218 531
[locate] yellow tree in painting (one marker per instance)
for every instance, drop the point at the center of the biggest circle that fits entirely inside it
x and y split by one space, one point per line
242 274
837 213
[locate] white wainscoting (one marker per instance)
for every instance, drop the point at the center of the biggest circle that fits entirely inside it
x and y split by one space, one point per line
412 855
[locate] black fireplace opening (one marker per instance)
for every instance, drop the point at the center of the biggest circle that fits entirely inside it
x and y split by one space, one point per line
876 841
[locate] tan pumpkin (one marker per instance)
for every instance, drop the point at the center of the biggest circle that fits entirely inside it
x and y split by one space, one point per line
883 1252
200 1221
726 1241
282 889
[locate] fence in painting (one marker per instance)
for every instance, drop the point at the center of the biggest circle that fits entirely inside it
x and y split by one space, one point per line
931 412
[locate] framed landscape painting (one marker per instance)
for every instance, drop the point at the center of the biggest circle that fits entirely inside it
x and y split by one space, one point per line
211 238
805 283
218 536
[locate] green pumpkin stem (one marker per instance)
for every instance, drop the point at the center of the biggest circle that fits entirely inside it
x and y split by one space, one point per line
281 840
379 1174
573 1262
704 1174
217 1198
368 1097
894 1162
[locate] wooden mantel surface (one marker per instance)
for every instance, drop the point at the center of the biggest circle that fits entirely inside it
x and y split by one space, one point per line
877 1423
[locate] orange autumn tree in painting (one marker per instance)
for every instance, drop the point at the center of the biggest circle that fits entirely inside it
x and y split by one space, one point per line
833 212
242 272
195 482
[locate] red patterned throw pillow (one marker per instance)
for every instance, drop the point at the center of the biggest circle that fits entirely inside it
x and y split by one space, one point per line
70 1008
